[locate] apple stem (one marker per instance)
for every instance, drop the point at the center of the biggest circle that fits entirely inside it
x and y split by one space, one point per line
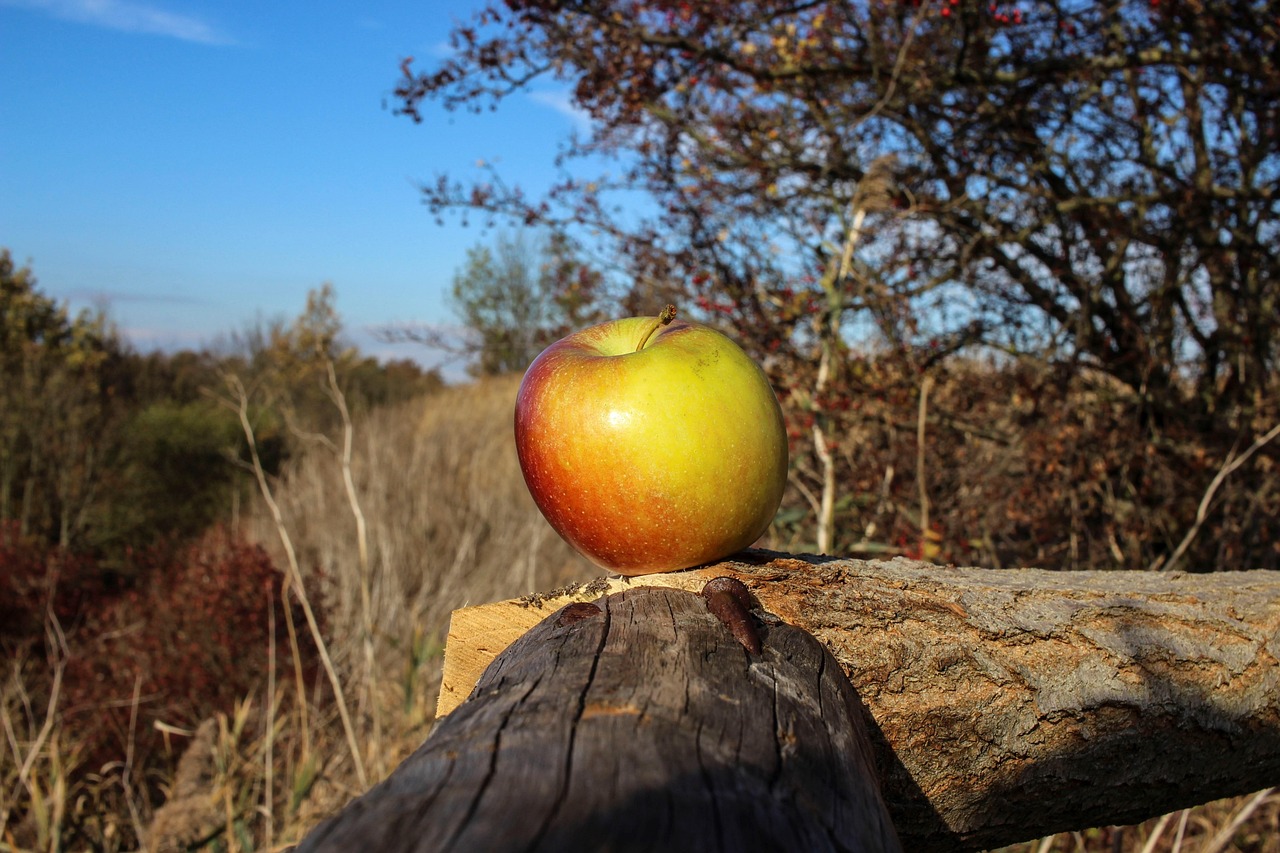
668 314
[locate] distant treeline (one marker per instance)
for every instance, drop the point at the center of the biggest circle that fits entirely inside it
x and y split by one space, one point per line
103 448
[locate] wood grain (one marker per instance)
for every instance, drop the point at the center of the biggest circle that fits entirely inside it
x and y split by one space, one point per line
1006 705
645 726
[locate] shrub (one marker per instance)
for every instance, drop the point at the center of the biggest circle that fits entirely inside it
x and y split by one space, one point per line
174 476
179 647
1025 464
36 580
185 643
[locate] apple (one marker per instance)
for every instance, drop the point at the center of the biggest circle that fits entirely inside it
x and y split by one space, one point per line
651 444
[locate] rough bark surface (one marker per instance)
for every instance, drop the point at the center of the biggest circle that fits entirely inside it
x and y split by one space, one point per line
639 725
1006 705
1015 704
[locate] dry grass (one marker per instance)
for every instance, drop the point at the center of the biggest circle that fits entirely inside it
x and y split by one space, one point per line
446 522
1238 825
449 521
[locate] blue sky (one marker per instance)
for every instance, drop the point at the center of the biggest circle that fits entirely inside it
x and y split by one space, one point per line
195 166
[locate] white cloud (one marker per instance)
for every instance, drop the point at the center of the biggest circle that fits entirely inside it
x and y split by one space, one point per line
560 101
129 17
439 50
148 338
106 298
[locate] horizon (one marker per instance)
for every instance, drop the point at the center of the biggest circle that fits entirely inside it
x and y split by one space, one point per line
193 169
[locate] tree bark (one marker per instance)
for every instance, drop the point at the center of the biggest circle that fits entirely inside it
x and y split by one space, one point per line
638 724
1008 705
1014 704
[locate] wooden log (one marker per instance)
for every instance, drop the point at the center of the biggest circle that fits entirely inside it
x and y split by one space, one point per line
638 724
1008 705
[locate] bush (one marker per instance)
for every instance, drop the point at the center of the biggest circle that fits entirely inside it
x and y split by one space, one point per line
36 580
186 643
175 475
1026 464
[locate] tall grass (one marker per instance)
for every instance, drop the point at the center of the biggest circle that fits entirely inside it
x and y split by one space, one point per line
450 523
449 520
432 502
409 513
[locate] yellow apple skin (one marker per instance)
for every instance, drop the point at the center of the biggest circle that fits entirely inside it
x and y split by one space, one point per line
654 458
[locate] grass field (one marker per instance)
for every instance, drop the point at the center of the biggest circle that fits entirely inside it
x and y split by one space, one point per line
324 696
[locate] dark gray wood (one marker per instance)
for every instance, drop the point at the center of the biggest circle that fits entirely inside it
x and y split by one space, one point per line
646 726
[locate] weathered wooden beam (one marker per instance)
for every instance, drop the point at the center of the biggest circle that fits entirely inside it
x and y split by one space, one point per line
1007 705
639 723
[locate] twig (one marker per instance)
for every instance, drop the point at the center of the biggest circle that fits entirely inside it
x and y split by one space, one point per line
871 195
886 484
240 404
59 642
1182 829
1223 836
268 770
54 628
127 770
1156 832
807 493
295 653
362 545
922 484
826 507
1231 463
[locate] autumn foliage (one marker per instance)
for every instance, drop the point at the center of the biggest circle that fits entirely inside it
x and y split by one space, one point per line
1095 180
200 634
1011 266
1023 465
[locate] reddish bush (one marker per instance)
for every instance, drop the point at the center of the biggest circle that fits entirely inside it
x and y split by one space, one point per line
35 577
1025 465
187 639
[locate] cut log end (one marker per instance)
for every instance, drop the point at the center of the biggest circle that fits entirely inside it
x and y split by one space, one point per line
645 727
